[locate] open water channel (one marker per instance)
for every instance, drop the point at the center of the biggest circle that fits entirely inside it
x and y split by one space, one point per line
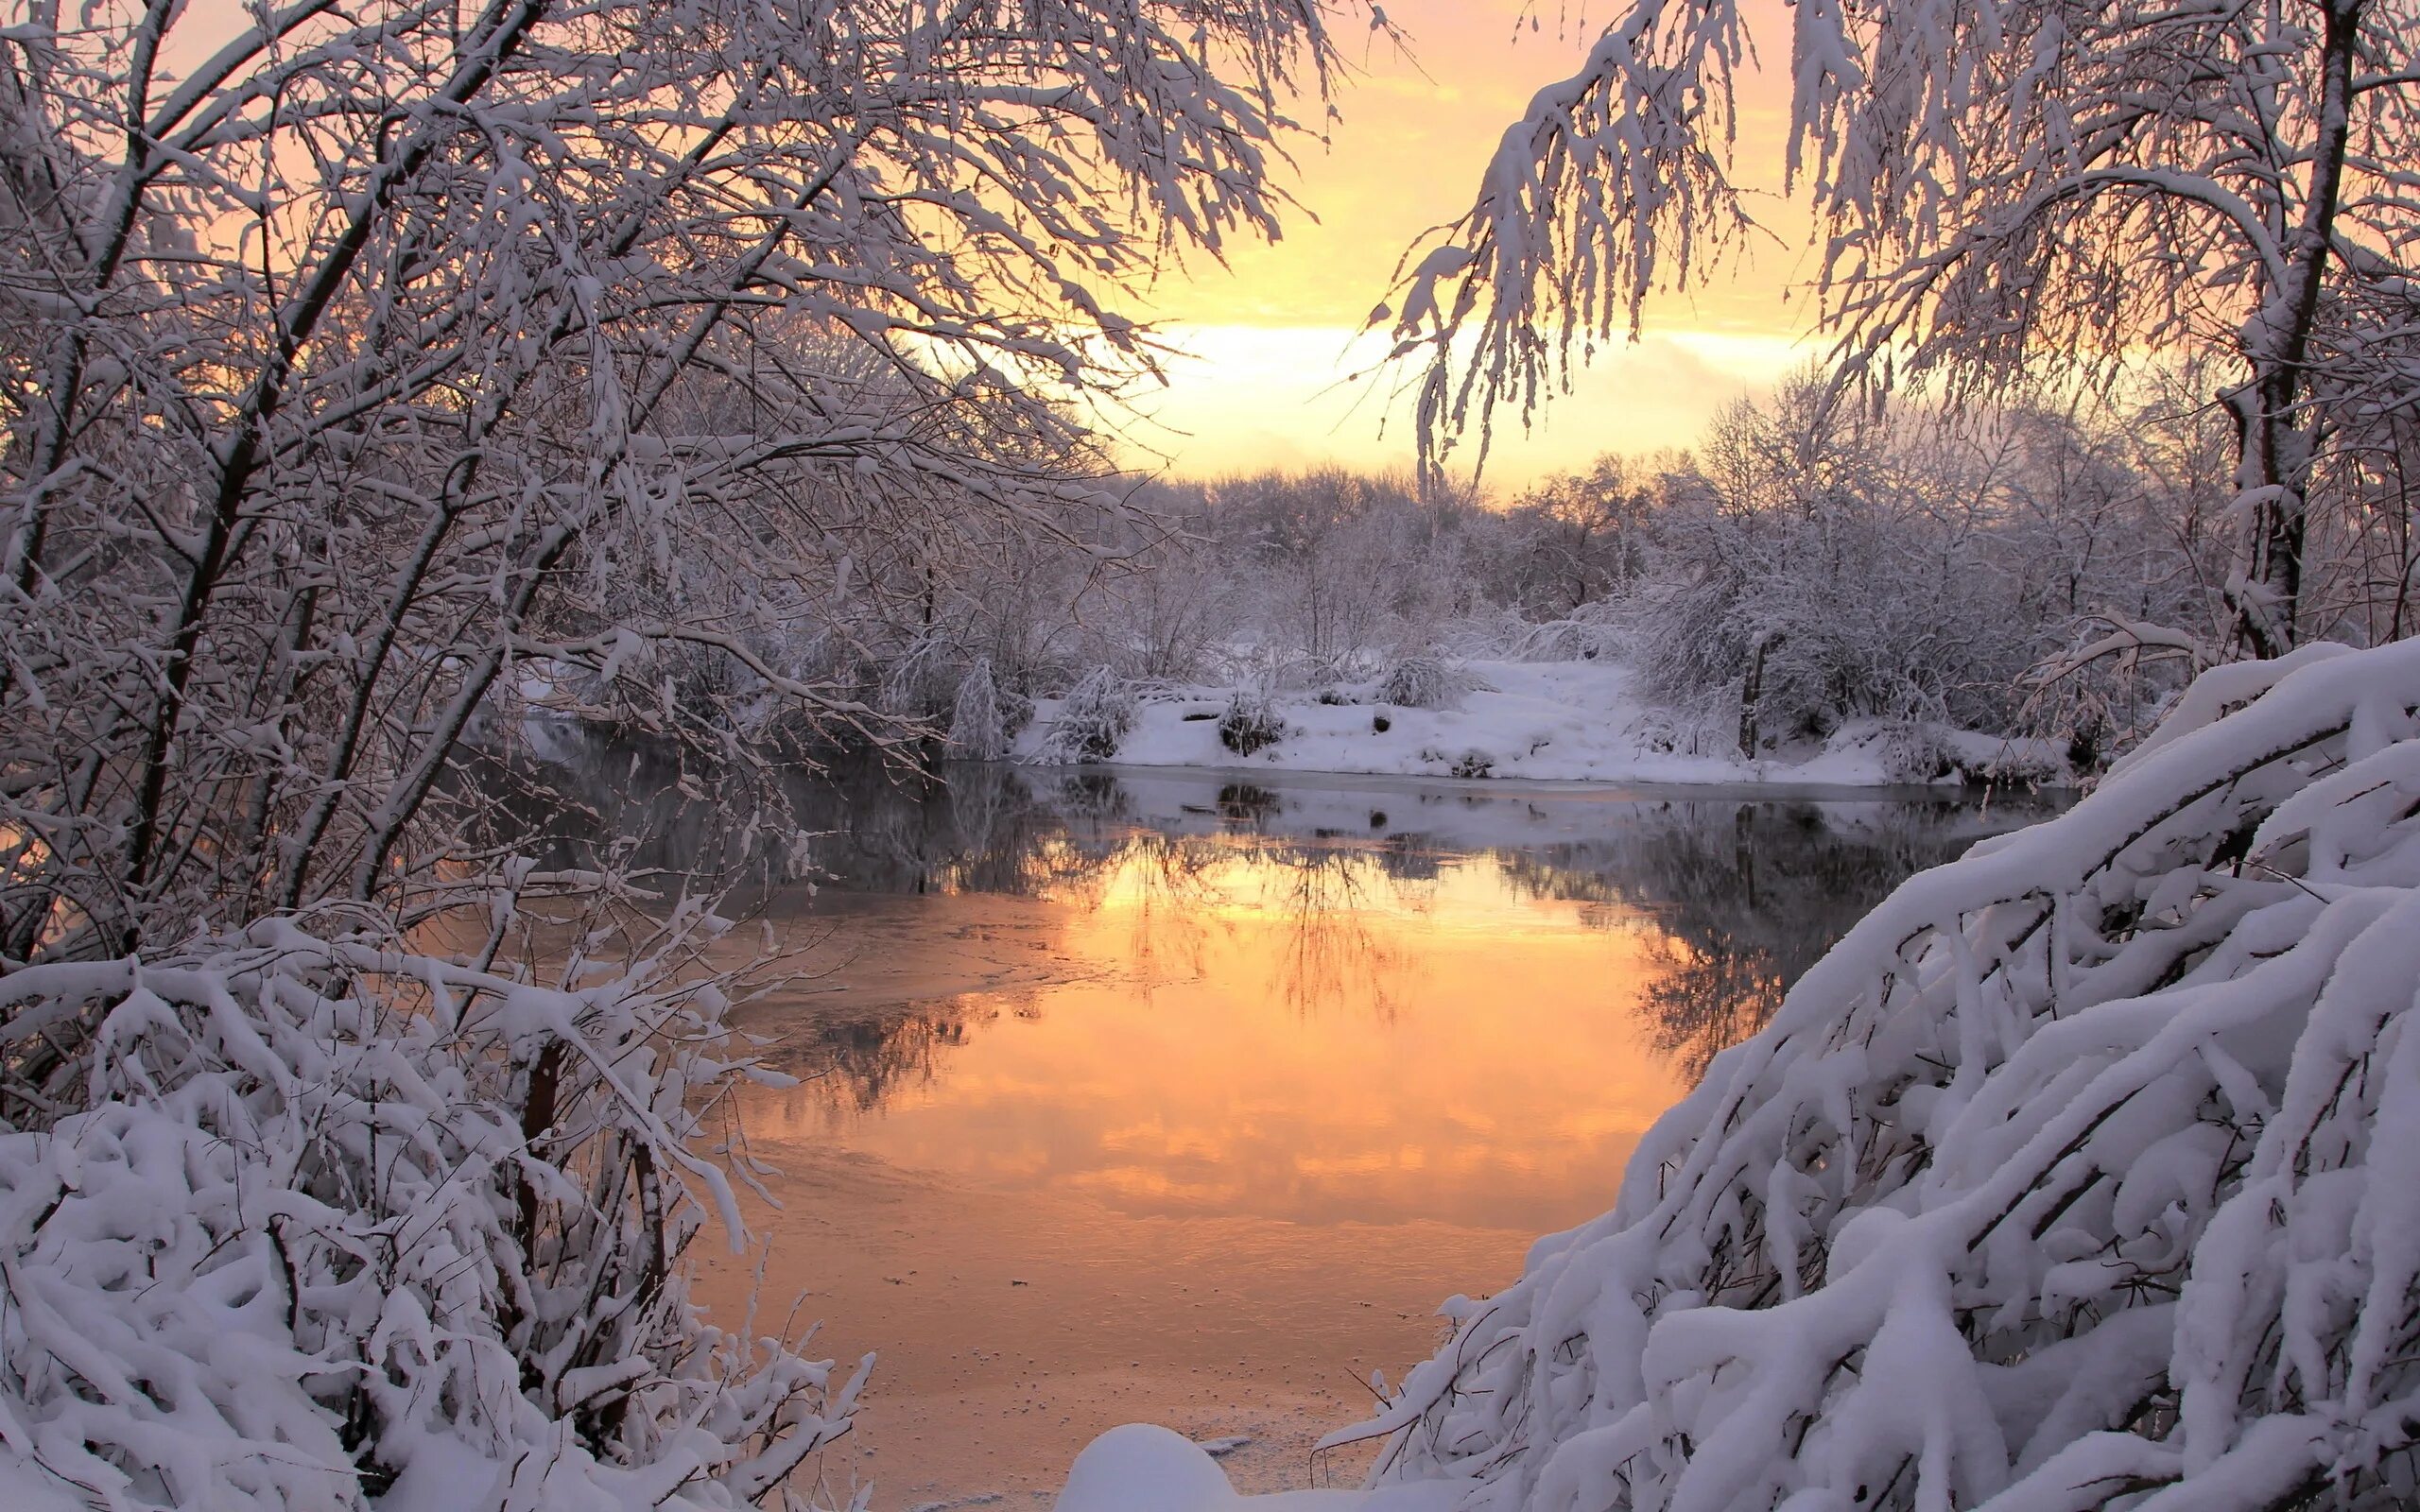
1176 1097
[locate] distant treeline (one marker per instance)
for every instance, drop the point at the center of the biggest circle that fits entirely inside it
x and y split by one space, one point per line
1809 560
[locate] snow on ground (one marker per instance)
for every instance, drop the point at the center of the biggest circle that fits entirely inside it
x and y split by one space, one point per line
1143 1469
1563 721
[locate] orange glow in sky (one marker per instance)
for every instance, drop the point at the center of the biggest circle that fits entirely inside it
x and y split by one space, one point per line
1274 334
1271 332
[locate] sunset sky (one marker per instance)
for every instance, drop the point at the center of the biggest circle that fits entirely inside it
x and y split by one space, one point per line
1273 332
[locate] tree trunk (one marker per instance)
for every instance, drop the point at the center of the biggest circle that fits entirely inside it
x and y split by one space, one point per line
2273 444
1752 692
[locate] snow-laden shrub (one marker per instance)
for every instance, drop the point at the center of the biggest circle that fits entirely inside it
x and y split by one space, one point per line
1485 631
914 685
1590 632
2072 1177
978 729
1249 722
1092 720
331 1224
1425 683
1686 730
1906 750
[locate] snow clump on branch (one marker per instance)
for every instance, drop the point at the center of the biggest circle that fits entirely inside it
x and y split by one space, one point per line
2070 1178
335 1226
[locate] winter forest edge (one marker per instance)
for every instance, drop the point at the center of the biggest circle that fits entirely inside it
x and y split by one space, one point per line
382 378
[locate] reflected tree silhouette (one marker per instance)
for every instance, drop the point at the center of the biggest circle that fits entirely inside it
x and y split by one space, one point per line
1176 888
1746 895
858 1062
1734 897
1711 994
1333 959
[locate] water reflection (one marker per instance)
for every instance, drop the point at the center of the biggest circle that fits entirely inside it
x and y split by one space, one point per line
1166 1095
1745 895
1731 896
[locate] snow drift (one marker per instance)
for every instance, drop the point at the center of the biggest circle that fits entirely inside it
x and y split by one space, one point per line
2068 1179
1545 721
1138 1468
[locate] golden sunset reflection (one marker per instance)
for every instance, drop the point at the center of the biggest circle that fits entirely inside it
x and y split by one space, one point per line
1309 1039
1175 1097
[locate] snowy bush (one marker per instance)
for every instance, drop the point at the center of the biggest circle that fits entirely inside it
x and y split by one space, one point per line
1908 750
1685 731
331 1224
978 727
2071 1177
1249 722
1425 683
916 681
1587 634
1092 720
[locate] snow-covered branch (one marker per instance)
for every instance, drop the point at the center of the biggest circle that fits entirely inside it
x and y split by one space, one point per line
2006 193
334 1224
2069 1177
397 339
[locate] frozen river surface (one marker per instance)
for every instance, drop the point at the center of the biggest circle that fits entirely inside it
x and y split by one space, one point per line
1161 1096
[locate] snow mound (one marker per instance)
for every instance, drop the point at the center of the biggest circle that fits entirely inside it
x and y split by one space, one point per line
1142 1469
2068 1179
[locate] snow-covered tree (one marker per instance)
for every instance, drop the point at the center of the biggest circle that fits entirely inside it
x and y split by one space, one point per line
2003 191
2071 1179
388 358
368 371
1580 535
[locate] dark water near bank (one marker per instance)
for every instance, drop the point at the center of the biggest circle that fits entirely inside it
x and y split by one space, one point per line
1161 1094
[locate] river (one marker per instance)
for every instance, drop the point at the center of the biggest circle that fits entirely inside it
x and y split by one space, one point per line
1168 1095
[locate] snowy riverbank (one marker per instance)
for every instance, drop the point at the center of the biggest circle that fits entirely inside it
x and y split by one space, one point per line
2069 1177
1558 721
